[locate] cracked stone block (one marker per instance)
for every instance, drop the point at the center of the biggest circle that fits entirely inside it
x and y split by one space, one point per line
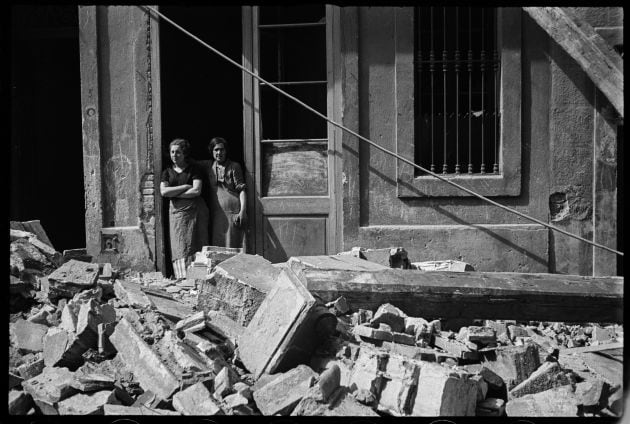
390 315
237 287
443 392
514 364
87 404
400 381
28 336
196 400
131 294
32 367
366 374
224 382
547 376
73 277
283 393
557 402
145 364
52 385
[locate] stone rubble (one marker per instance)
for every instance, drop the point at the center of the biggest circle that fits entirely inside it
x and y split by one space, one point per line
242 337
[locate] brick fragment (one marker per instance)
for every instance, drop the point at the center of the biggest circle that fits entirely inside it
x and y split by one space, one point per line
196 400
282 394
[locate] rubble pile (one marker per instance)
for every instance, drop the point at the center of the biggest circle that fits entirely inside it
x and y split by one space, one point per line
240 336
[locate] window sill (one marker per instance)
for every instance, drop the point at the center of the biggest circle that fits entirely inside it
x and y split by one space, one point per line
506 184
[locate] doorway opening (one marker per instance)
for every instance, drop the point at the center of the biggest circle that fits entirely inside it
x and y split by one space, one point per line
201 93
46 134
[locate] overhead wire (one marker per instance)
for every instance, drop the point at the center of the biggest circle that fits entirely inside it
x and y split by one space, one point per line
371 143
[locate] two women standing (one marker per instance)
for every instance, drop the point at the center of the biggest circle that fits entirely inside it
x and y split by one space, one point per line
189 215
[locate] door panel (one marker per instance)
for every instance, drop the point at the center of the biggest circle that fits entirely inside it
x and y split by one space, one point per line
294 154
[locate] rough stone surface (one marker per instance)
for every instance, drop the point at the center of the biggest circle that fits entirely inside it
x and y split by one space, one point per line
558 402
52 385
400 380
32 368
92 382
513 364
224 326
390 315
87 404
145 364
196 400
19 402
28 336
73 277
341 403
329 380
282 394
481 335
130 294
224 382
238 286
366 372
442 392
547 376
591 392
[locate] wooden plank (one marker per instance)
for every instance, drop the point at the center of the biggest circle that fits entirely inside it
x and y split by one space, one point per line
484 295
600 62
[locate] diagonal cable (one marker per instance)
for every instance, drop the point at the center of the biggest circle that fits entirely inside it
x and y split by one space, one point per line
371 143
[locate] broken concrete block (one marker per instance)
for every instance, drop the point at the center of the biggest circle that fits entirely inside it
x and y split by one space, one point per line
447 265
482 336
283 393
456 348
547 376
443 392
180 357
28 336
285 330
224 382
237 287
52 385
32 367
591 393
196 400
145 364
400 380
557 402
131 294
390 315
19 402
73 277
367 371
24 255
235 401
491 407
514 364
224 326
57 352
87 404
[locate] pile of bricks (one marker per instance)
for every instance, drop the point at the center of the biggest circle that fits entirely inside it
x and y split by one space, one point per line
246 337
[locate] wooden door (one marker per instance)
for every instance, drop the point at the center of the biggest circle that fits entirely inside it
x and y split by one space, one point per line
292 157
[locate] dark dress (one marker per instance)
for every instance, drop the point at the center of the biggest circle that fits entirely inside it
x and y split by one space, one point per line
225 184
188 218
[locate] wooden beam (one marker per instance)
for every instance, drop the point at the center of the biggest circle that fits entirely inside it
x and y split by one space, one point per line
484 295
600 62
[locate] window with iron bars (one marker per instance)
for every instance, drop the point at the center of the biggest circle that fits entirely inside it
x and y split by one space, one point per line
457 85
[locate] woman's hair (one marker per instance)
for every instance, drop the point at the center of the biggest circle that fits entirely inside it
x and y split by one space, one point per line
217 140
182 143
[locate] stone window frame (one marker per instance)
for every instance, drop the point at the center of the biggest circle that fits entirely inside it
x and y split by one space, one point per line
508 181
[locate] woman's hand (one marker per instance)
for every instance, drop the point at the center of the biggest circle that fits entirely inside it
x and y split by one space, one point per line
241 219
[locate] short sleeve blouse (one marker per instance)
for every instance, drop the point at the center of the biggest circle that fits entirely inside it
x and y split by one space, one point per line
173 178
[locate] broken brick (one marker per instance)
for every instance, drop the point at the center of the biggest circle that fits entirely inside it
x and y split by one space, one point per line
390 315
237 287
145 364
547 376
196 400
443 392
283 393
87 404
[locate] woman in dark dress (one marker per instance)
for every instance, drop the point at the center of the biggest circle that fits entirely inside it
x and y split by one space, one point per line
188 213
227 198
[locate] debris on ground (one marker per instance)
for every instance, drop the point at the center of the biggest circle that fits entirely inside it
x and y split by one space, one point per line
240 336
